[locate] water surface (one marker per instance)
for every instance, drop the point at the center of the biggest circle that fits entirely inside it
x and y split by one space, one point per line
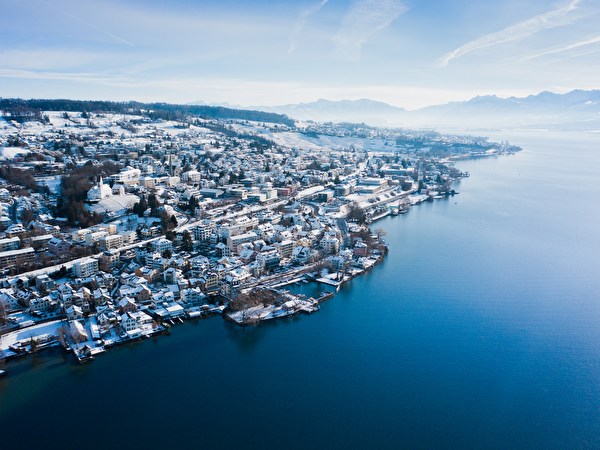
480 330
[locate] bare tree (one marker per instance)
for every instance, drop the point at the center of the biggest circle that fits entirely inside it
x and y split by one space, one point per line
2 312
380 232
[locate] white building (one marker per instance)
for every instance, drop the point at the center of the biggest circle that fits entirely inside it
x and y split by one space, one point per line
84 269
191 176
128 175
193 296
161 245
330 244
100 191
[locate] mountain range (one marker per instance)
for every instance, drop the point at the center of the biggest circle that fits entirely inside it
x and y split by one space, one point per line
576 110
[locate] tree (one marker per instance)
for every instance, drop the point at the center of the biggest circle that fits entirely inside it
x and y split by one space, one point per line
187 243
337 179
13 211
192 204
379 232
153 204
167 254
356 213
242 174
27 216
2 312
33 343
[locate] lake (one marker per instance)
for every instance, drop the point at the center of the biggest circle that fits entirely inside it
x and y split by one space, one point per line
479 330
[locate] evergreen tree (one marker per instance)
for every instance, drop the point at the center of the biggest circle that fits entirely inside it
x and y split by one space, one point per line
187 243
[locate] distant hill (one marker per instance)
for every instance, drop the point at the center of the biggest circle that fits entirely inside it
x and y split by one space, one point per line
577 110
574 110
23 110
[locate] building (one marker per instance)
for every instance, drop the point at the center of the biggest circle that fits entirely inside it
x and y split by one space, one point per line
40 242
16 230
342 189
192 296
147 182
268 259
325 196
210 193
94 237
285 248
109 259
42 305
202 233
234 241
211 282
360 249
58 247
192 176
111 241
223 250
330 244
85 269
16 258
269 193
161 245
9 244
99 192
129 324
371 185
128 175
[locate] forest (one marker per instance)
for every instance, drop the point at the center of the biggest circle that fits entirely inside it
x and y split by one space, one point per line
25 110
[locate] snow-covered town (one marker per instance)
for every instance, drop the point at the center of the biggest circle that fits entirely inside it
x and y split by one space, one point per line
115 226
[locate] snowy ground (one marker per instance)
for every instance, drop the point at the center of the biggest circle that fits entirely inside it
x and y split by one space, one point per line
11 152
53 183
27 333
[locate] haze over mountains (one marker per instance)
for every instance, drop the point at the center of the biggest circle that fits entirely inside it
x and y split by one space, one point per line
576 110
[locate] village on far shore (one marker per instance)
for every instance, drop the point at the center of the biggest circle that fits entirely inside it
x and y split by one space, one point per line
115 226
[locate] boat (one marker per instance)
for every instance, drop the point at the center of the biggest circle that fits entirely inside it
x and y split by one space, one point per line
2 373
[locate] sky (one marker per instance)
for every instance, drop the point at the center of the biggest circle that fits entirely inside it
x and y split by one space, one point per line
409 54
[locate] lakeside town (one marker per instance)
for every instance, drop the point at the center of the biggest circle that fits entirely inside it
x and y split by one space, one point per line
115 226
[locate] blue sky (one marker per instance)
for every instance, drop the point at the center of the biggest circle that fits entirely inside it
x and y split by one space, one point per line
406 53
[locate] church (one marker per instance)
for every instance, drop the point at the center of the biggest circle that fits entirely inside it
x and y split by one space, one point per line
99 192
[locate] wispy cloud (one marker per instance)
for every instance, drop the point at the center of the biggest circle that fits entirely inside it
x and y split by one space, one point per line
550 19
364 18
293 37
59 76
66 13
590 40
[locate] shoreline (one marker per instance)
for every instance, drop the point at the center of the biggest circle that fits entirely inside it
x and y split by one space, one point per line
294 306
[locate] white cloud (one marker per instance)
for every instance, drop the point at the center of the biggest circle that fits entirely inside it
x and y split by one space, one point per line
550 19
47 59
364 18
293 37
86 23
590 40
59 76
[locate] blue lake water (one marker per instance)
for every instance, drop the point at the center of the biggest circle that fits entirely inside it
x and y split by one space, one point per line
480 330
